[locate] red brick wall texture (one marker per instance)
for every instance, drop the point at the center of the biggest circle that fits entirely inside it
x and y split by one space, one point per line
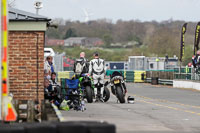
22 52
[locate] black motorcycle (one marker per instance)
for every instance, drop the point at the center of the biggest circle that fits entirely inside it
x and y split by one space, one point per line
118 86
87 86
106 92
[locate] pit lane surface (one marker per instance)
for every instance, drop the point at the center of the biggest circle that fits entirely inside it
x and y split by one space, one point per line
156 109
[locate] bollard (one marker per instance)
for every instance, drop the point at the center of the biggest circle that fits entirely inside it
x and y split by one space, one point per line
154 80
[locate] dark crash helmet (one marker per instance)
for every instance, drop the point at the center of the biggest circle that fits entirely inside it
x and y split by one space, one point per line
130 99
96 53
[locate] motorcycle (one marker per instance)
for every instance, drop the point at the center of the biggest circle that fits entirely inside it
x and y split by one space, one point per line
118 86
87 86
106 92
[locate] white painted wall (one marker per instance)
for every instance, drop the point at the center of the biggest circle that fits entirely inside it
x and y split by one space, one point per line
186 84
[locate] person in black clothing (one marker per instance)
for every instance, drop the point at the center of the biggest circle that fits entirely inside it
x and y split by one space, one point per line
56 87
53 79
52 91
196 61
47 89
81 65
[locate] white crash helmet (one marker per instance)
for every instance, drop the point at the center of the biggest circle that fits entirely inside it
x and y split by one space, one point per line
130 99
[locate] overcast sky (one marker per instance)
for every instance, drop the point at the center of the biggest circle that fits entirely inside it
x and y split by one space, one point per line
143 10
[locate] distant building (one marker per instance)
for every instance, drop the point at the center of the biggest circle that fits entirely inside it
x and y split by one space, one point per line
83 41
137 63
75 41
54 42
151 63
94 41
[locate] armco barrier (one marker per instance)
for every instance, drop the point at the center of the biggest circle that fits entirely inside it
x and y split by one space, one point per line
165 82
160 81
130 76
161 74
59 127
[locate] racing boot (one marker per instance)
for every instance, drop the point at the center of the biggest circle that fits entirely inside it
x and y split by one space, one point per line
101 99
97 98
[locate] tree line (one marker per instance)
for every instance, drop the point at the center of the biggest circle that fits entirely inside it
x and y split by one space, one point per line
145 38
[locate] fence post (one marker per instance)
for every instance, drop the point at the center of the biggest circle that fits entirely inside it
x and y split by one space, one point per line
30 111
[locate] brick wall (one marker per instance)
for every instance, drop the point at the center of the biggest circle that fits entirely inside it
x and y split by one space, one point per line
23 65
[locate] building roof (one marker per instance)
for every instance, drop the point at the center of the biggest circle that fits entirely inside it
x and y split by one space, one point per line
75 38
20 15
54 42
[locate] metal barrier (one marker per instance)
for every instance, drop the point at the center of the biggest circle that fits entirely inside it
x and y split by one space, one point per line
186 73
130 76
165 82
160 81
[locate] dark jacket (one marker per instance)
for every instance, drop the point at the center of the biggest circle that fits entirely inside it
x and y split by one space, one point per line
85 68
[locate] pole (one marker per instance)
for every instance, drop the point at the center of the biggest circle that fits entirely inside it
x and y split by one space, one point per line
0 64
180 69
37 11
8 111
37 67
182 48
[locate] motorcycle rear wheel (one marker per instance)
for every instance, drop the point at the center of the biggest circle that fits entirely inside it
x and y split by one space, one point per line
89 94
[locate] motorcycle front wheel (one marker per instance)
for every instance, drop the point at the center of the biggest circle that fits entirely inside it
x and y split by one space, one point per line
120 94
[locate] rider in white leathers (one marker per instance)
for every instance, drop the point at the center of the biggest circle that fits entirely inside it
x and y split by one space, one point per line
97 70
